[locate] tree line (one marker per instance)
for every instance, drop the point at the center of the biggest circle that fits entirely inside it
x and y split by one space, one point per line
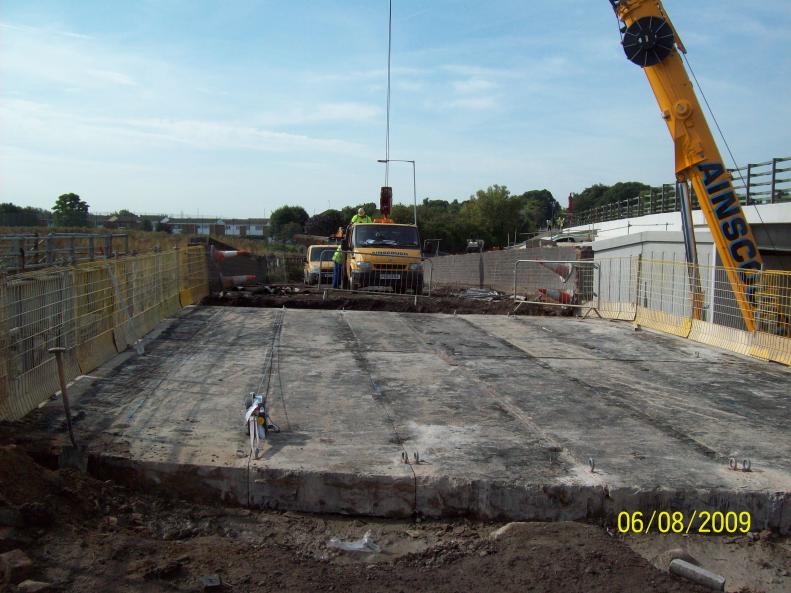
68 211
494 214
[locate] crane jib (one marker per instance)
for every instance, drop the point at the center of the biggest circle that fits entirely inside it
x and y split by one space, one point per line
732 224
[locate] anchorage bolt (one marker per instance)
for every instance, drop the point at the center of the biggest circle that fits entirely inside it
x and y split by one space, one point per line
746 465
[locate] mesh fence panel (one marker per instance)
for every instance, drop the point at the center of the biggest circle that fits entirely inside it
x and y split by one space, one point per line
93 310
695 302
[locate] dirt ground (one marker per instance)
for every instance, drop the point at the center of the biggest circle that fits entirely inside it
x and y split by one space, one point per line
85 535
441 301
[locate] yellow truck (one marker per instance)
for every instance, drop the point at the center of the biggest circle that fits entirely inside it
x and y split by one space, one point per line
383 254
317 264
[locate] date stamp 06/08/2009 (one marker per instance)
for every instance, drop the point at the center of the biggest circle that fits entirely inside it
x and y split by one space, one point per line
698 522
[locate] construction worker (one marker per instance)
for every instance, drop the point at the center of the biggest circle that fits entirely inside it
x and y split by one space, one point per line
361 216
337 270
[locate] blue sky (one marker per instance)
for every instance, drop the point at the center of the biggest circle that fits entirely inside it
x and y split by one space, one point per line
234 108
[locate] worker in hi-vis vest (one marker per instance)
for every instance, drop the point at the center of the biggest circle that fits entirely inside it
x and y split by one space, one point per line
361 216
337 270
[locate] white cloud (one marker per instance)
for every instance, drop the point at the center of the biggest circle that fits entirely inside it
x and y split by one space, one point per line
330 112
473 85
474 103
479 71
35 124
43 31
36 55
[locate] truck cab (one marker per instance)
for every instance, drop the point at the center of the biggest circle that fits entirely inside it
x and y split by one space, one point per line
318 264
383 254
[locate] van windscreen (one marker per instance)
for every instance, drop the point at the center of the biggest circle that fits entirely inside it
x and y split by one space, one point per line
315 254
385 234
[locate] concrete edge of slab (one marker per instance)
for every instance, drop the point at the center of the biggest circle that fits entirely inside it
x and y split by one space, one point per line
403 496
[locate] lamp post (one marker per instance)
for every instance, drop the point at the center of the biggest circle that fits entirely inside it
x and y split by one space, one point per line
414 182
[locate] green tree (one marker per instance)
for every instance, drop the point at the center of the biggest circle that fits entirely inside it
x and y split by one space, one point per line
287 215
146 225
325 223
70 211
402 214
495 214
600 194
370 208
536 207
13 215
288 230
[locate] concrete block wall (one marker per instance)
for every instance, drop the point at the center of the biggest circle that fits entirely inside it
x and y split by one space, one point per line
464 271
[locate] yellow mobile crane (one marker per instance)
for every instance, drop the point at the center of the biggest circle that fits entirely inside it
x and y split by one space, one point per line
650 41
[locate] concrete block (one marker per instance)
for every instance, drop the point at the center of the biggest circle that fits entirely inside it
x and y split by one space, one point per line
509 530
212 583
34 587
698 575
15 566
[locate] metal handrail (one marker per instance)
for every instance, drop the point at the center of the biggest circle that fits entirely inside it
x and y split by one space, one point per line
779 190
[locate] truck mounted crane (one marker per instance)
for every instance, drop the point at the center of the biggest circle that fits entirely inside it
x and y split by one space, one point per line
650 41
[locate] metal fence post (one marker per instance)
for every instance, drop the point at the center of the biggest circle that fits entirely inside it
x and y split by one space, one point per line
50 248
20 253
480 269
516 265
774 179
598 284
321 266
91 248
749 181
126 244
637 285
430 276
72 251
108 246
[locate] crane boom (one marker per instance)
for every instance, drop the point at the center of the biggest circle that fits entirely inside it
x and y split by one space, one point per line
650 41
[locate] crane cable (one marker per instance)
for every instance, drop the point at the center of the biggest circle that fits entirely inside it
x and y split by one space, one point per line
389 52
727 146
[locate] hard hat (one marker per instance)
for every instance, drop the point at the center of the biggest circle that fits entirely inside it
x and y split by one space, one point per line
361 212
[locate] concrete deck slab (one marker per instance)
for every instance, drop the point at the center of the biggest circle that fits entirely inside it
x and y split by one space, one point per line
503 412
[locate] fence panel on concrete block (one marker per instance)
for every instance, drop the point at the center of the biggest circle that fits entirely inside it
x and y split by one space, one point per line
283 268
663 299
617 284
93 297
569 283
720 322
93 310
38 315
193 275
773 317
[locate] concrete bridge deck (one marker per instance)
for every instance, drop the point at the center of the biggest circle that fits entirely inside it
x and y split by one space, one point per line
503 412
